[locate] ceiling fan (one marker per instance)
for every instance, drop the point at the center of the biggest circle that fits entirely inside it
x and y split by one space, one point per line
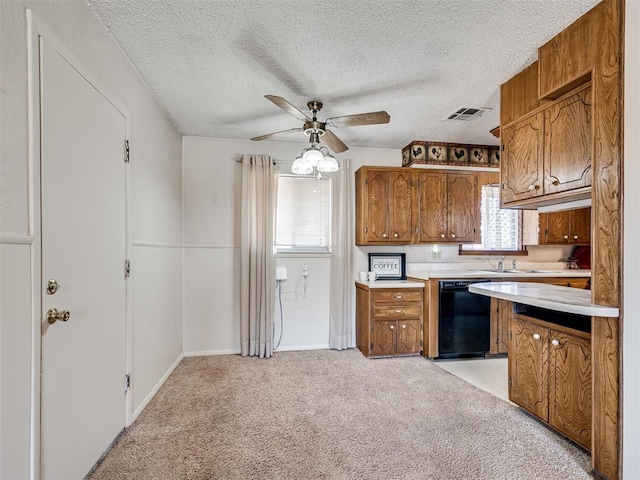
318 131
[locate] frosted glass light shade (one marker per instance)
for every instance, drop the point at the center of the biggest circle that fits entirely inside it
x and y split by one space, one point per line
313 156
328 164
301 166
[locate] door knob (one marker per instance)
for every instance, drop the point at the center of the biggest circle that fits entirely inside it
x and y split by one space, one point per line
53 315
52 286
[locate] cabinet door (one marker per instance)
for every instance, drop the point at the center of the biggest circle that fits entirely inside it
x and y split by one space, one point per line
500 313
555 228
462 197
521 163
581 226
383 337
567 147
432 207
528 352
377 207
399 206
408 336
570 386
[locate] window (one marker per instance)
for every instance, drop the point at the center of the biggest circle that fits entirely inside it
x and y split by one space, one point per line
499 228
303 215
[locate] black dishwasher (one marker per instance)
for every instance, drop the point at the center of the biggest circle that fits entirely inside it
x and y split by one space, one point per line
463 320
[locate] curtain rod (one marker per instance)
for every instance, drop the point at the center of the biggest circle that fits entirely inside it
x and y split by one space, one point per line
239 160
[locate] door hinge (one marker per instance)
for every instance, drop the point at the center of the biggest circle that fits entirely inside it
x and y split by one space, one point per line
126 151
127 383
366 229
510 334
127 269
510 381
371 346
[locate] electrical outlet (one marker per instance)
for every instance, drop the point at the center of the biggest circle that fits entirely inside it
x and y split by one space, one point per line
436 254
281 273
305 271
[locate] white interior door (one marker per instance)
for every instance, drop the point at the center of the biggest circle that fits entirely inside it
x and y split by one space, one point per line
83 249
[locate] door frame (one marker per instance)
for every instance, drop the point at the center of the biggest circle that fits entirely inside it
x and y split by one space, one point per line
37 28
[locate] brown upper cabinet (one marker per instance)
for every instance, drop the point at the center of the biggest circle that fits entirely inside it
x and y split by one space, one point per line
566 61
519 95
447 207
398 205
384 205
547 154
569 227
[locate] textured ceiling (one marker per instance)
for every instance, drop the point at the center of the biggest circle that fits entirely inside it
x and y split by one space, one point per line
210 62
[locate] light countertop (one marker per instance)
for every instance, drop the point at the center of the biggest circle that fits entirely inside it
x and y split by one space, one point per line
510 274
553 297
392 284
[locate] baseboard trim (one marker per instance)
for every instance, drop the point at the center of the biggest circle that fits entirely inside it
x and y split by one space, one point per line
155 389
298 348
209 353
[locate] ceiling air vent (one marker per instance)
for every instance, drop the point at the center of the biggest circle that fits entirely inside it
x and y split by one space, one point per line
466 114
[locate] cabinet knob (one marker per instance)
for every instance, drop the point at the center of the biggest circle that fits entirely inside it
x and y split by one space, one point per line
397 296
555 183
442 235
396 235
391 327
536 336
533 187
404 326
575 237
398 311
453 235
565 237
384 235
555 342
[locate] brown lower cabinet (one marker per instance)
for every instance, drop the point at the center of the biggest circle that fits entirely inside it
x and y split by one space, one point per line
550 375
500 309
388 320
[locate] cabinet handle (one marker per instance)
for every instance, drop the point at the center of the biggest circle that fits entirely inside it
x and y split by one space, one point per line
555 342
575 237
404 326
397 296
398 311
453 235
533 187
555 183
384 235
396 235
442 235
391 327
565 237
536 336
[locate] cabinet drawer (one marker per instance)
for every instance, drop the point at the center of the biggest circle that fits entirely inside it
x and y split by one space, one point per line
397 311
397 296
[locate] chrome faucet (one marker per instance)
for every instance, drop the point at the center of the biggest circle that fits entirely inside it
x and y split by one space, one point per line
501 264
513 264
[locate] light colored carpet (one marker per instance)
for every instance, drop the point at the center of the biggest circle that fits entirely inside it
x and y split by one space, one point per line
333 415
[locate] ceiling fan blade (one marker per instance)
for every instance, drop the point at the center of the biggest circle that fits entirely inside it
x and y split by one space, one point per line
287 107
269 135
371 118
333 142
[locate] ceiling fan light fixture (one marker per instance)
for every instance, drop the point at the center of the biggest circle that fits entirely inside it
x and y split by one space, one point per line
313 156
328 164
301 166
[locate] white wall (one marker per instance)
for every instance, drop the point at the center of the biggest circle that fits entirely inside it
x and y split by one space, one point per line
211 180
631 256
156 202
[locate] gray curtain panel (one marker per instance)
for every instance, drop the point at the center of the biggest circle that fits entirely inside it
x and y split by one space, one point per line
257 255
342 241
